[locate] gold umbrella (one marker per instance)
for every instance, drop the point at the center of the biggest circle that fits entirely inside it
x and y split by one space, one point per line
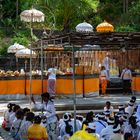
105 27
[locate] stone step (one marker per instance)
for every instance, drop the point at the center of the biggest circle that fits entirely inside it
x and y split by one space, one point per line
81 112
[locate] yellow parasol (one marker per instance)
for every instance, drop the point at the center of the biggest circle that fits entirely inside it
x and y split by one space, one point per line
105 27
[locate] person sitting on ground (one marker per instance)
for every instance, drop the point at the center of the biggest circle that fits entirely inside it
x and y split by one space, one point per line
100 123
109 107
132 127
25 125
108 131
15 128
128 136
66 130
130 108
89 118
123 121
25 111
134 100
37 131
116 133
6 124
80 118
12 116
92 130
107 115
121 110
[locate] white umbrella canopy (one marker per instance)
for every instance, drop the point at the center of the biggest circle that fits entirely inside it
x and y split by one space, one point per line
84 27
32 15
25 53
14 48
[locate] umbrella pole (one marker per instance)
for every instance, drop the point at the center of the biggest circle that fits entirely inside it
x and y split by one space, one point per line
41 71
30 82
25 76
74 88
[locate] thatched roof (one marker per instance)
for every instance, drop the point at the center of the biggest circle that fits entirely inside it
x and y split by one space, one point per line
112 40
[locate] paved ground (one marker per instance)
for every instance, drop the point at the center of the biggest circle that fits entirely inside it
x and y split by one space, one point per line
82 104
63 104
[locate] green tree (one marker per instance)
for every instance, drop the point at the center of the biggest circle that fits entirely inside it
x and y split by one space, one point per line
134 15
66 14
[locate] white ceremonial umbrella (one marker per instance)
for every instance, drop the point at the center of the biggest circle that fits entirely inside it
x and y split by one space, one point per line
25 53
84 27
31 16
14 48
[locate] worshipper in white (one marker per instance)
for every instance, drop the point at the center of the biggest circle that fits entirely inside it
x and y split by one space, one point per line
130 108
25 125
134 101
106 64
116 133
121 110
15 128
50 113
132 127
123 121
66 129
107 115
88 119
126 76
67 117
138 113
6 123
108 131
108 106
91 128
51 85
100 123
12 116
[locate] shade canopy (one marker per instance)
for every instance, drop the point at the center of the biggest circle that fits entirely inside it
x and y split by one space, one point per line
25 53
105 27
14 48
32 15
84 27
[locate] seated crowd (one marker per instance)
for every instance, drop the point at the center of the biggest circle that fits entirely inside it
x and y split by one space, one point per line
107 125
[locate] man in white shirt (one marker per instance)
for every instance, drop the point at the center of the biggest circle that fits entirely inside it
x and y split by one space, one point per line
50 113
126 76
106 64
51 86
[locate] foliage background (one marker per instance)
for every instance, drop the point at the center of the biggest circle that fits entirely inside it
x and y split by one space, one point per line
65 15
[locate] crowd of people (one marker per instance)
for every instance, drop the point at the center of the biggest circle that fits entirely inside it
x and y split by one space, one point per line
23 124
